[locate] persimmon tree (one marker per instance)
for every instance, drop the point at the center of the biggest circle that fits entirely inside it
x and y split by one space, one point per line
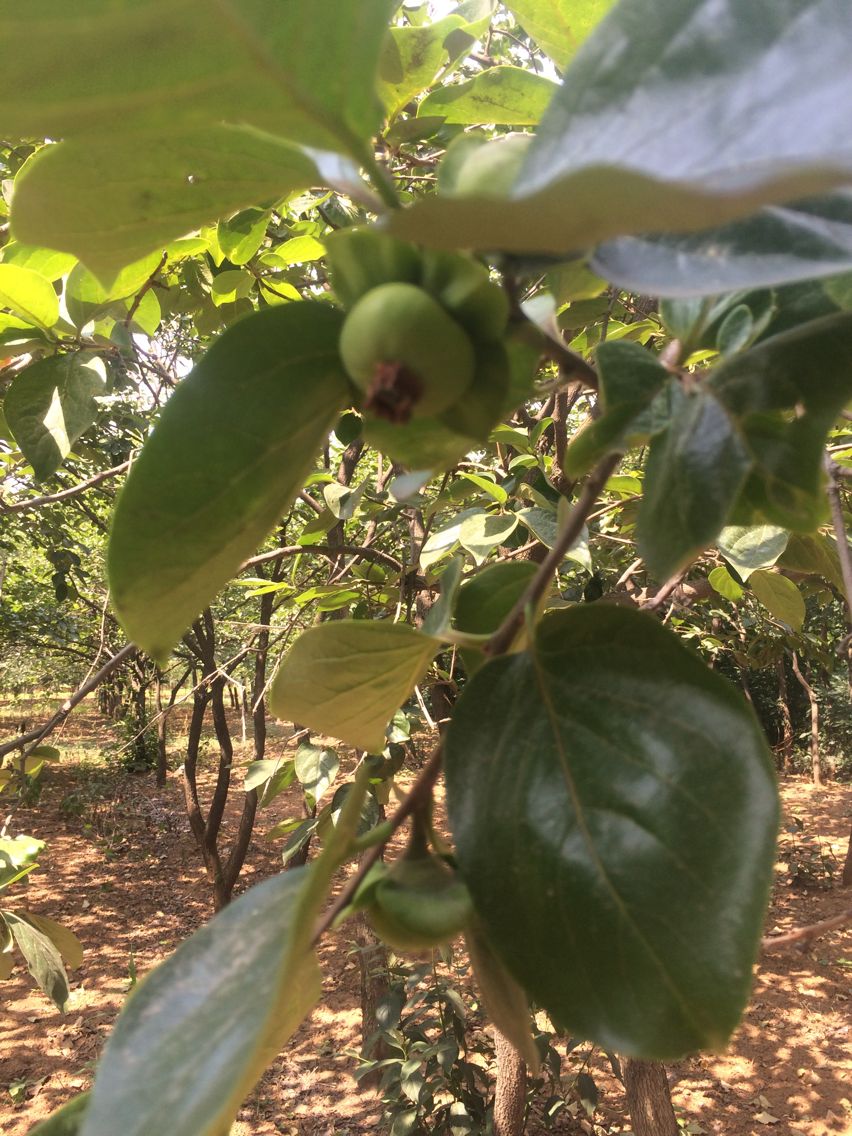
553 282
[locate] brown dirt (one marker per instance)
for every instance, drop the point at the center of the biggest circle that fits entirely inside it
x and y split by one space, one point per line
123 873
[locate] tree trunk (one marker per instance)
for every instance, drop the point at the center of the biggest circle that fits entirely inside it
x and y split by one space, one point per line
846 878
649 1100
162 758
373 968
786 747
816 771
510 1091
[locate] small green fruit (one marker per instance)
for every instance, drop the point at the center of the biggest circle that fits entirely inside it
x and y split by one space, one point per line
420 904
405 352
483 404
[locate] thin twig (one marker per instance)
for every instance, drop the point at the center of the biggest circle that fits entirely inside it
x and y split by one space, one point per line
505 634
418 795
659 598
360 551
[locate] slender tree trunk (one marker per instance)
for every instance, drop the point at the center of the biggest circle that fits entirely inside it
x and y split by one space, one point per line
510 1091
846 878
162 757
786 718
649 1100
816 771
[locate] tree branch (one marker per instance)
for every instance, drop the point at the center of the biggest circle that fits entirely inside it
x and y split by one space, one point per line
74 491
37 735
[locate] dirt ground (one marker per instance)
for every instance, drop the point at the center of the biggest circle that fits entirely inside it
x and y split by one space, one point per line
122 871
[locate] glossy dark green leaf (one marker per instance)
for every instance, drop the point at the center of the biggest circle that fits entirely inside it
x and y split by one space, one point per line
692 67
206 1022
506 1003
347 678
194 63
695 471
226 458
49 405
778 245
630 379
807 370
614 811
148 193
506 96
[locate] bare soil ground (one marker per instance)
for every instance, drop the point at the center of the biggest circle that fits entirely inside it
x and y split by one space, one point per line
122 871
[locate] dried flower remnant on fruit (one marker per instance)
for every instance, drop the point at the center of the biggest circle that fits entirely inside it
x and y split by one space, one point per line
393 393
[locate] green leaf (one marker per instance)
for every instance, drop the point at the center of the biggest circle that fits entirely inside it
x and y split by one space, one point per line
780 597
689 67
50 404
812 554
87 298
206 1022
695 470
316 767
411 59
614 813
193 64
809 370
65 941
43 959
49 263
228 455
444 539
559 26
481 533
241 236
506 96
439 616
777 245
66 1121
748 548
148 194
28 295
724 583
347 678
630 380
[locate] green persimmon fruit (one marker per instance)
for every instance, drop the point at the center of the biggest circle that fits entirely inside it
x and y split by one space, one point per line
406 353
421 903
483 404
465 289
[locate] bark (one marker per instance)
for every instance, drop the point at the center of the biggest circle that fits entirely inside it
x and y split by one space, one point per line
510 1091
846 878
162 757
649 1100
816 771
375 983
786 746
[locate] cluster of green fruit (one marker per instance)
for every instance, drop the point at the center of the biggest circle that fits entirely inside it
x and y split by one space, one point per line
418 902
423 340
